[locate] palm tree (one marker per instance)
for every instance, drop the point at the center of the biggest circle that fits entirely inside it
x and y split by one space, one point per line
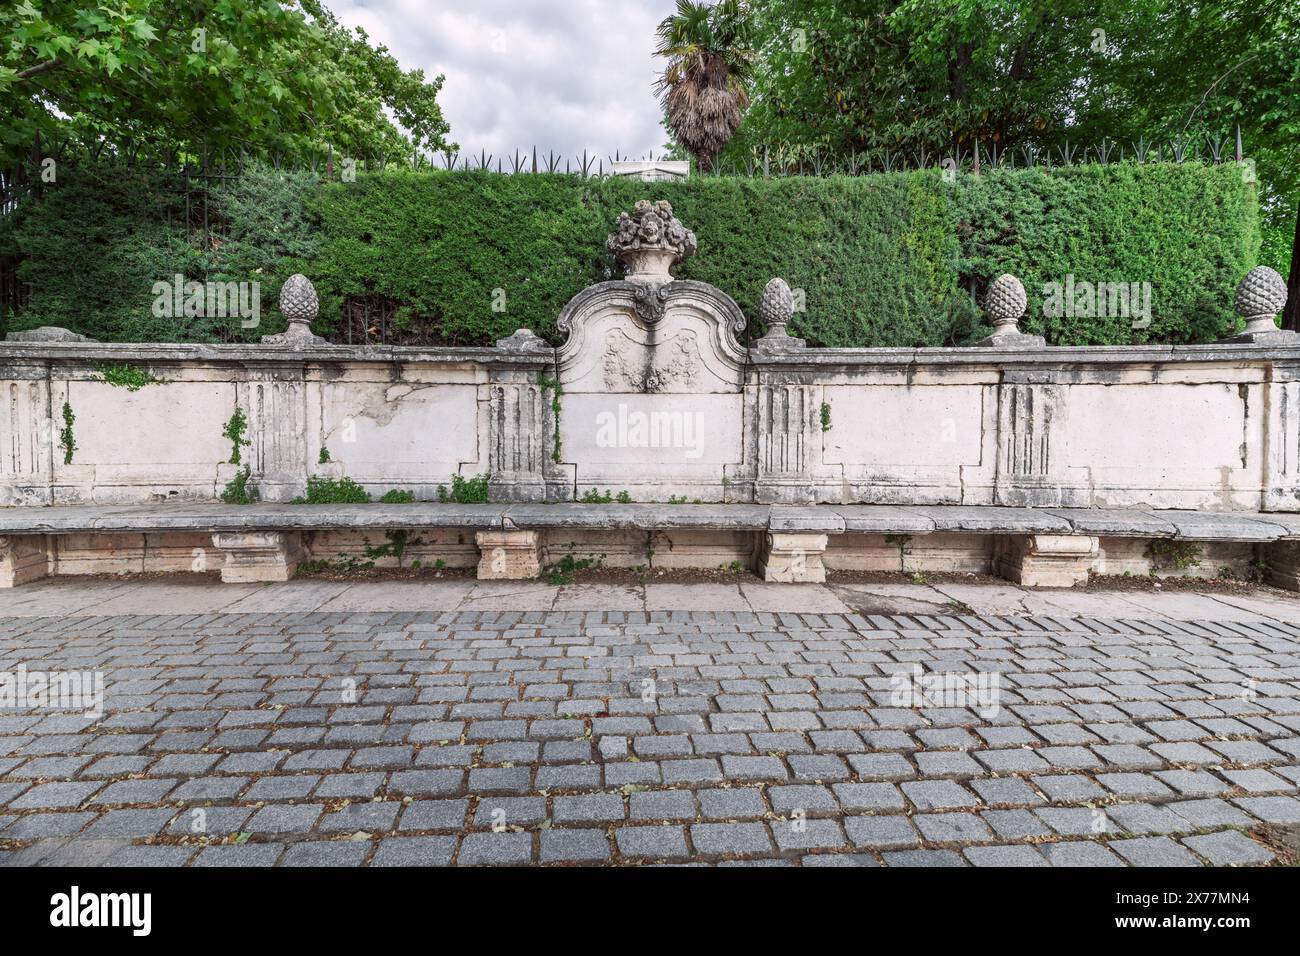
703 87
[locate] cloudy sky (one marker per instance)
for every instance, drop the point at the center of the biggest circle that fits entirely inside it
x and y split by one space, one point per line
566 75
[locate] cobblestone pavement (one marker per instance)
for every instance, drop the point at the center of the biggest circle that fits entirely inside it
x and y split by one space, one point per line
506 737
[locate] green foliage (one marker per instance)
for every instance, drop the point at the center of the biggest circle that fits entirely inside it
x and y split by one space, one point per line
237 491
875 255
883 260
324 457
234 430
1177 555
66 440
862 78
397 496
395 548
264 74
94 246
553 386
127 376
623 497
826 416
1275 247
333 491
1189 230
562 571
465 491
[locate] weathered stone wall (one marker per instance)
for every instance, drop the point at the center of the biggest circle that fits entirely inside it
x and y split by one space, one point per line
665 406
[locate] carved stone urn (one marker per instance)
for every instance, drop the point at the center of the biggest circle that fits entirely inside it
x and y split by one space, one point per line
649 241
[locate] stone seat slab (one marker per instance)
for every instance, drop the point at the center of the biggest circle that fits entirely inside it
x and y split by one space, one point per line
107 519
809 519
638 516
992 519
1117 521
883 519
647 516
1220 526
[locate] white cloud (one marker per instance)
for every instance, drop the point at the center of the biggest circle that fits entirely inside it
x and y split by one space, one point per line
564 75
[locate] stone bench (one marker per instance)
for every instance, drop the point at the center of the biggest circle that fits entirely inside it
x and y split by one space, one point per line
265 542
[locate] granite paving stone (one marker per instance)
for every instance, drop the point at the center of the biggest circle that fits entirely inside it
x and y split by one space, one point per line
509 737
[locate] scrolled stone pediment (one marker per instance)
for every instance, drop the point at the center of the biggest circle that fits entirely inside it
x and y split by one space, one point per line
632 337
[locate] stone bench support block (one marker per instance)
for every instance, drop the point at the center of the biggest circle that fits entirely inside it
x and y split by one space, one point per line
793 558
1282 563
258 556
509 555
23 558
1045 560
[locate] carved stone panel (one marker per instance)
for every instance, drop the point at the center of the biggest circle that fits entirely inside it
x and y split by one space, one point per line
1031 463
518 450
27 436
652 399
1282 489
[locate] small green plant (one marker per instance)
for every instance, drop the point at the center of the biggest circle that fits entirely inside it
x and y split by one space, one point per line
128 377
624 498
237 491
324 457
735 567
66 441
918 577
234 430
677 499
826 416
398 496
592 496
395 548
465 491
1176 555
553 386
344 562
562 571
333 491
903 542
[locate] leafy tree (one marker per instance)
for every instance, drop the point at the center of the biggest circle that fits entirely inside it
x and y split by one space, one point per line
260 75
930 78
703 86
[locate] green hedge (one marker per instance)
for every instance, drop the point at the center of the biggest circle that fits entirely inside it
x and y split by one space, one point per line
1191 231
885 260
443 244
93 244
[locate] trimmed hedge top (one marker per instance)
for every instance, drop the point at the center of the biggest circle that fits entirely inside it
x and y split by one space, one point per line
465 258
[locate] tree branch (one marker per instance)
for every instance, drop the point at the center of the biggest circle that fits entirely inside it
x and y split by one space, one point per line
40 68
